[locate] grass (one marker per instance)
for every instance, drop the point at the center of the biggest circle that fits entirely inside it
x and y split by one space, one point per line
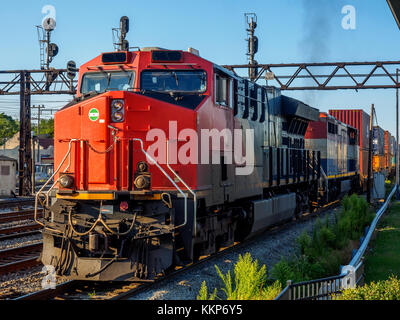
319 255
384 260
330 245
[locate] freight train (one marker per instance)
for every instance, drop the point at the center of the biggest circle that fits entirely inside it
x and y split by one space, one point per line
135 196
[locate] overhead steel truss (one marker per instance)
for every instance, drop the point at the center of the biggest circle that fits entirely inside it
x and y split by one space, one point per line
52 81
322 75
26 83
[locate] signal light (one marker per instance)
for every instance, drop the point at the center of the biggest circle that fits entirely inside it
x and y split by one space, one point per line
71 69
124 24
53 50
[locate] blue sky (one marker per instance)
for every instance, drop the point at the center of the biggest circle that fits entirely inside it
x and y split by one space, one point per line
288 31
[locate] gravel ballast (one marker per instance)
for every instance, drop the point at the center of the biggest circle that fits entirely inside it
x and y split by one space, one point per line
268 248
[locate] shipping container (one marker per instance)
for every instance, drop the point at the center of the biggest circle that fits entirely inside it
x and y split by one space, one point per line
378 163
388 153
358 119
378 141
393 146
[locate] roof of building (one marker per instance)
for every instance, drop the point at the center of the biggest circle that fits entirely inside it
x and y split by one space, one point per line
46 142
5 158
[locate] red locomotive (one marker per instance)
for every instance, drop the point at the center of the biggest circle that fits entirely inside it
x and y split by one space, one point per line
123 207
163 157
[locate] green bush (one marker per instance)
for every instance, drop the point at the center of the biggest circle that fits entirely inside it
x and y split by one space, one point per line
283 271
354 217
382 290
319 254
249 282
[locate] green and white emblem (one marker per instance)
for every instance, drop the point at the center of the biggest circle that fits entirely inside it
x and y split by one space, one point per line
93 114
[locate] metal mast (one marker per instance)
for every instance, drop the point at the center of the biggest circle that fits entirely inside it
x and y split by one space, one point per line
251 20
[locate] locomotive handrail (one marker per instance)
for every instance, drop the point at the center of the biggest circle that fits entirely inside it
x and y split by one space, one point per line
168 177
187 187
52 176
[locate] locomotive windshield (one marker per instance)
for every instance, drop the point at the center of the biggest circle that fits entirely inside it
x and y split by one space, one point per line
103 81
174 81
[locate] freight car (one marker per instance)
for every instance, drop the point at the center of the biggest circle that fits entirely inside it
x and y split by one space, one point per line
378 150
128 203
338 144
358 119
389 154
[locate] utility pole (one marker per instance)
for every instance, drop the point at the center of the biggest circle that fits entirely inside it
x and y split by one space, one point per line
39 107
370 155
25 138
397 135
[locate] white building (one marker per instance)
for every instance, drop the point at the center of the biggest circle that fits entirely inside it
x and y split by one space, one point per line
8 176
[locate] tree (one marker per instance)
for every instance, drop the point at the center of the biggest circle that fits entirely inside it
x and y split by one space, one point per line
46 127
8 127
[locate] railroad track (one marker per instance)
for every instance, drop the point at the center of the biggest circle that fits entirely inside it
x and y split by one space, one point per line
19 231
16 202
72 290
19 215
19 258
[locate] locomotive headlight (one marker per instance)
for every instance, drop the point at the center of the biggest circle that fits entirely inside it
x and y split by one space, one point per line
117 110
118 116
142 182
117 104
66 181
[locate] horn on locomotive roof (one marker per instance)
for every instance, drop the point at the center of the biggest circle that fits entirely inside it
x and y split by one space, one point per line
120 34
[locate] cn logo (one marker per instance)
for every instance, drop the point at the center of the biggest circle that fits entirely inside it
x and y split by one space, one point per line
349 20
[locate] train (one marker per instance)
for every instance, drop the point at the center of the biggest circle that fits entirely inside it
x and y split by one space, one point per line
164 157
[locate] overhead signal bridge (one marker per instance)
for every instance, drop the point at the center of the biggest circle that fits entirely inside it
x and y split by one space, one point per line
326 75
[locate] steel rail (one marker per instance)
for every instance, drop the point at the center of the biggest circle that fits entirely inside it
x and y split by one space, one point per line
23 257
19 231
18 215
223 251
16 202
128 290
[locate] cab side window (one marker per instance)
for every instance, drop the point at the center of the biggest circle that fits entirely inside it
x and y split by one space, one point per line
223 91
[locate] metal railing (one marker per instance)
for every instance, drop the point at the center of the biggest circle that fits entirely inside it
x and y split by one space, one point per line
350 276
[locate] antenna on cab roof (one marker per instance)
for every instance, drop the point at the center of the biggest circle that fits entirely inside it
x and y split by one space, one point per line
119 34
